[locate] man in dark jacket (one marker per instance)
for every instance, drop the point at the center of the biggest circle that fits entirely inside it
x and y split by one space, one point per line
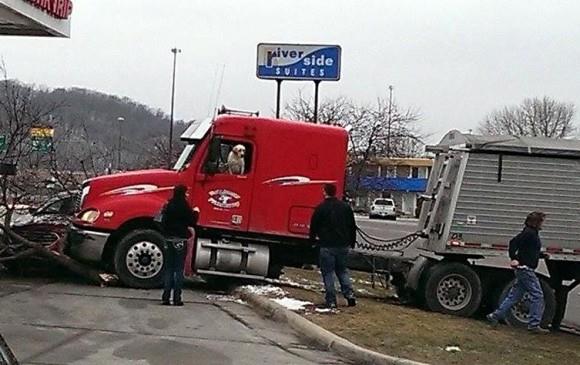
177 217
334 226
525 253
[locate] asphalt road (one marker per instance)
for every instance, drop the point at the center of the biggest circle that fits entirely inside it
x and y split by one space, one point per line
390 230
60 323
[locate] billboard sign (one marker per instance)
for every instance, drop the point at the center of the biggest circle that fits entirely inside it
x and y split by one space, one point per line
298 62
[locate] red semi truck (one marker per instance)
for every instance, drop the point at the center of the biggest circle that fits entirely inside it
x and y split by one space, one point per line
251 224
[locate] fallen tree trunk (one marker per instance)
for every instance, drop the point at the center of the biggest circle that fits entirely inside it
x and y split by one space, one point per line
15 247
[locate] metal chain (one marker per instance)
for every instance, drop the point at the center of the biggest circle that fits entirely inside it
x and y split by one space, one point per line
397 244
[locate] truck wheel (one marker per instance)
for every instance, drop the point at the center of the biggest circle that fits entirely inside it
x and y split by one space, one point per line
519 315
139 259
453 288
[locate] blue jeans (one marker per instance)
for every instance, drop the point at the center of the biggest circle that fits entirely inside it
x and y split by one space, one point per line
526 281
174 265
333 261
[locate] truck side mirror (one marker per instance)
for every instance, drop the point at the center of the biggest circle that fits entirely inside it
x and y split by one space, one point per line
213 160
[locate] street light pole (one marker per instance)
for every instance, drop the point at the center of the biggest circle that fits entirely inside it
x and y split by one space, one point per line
175 51
120 120
389 121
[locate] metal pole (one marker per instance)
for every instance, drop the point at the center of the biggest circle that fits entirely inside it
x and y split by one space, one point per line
278 91
175 51
119 150
389 121
120 120
316 83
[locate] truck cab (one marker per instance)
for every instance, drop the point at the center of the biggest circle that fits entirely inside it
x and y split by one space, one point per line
253 220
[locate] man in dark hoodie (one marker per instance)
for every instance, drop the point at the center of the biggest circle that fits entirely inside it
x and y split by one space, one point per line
525 253
177 217
333 228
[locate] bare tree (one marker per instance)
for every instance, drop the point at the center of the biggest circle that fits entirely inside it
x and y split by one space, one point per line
330 111
381 130
20 111
535 117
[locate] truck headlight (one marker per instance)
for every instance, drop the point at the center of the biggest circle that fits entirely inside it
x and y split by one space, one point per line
89 216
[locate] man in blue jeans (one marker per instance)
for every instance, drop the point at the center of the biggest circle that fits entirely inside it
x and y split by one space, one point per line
525 253
333 229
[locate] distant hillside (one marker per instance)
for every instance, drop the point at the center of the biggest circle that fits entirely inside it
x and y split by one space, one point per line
87 119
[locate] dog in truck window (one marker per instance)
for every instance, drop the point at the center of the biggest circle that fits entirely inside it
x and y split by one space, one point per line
236 162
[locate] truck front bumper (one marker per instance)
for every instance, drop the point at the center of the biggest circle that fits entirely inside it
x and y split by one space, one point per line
87 245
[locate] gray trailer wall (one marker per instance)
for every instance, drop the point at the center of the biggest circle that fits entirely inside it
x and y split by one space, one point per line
489 211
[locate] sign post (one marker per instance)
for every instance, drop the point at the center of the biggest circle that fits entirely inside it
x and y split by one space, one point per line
302 62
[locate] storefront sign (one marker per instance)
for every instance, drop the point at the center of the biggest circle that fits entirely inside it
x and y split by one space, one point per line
298 62
60 9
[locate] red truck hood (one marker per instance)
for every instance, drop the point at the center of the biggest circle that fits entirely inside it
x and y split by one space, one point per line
134 182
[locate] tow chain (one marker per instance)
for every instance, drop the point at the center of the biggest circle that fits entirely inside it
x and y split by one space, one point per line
373 243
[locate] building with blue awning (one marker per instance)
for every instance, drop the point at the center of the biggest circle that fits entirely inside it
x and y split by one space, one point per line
402 179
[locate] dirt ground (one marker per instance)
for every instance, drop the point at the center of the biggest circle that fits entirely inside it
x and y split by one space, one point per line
384 326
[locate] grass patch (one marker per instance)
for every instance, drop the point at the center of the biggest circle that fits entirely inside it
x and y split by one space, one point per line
423 336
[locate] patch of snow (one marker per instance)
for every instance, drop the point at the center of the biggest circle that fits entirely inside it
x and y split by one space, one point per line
363 291
364 282
224 298
291 303
220 298
452 349
265 290
323 310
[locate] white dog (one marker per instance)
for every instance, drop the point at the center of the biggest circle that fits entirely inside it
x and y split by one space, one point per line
236 162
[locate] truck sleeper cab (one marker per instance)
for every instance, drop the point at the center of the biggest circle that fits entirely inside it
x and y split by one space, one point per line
252 222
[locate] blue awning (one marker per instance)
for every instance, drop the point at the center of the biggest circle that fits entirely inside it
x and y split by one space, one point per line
391 184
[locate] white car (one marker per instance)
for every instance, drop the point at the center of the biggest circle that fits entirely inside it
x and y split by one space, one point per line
383 208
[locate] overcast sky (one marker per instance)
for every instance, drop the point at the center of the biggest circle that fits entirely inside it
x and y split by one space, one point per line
453 60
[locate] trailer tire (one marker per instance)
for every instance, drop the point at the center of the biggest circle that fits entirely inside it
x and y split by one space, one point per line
139 259
453 288
518 316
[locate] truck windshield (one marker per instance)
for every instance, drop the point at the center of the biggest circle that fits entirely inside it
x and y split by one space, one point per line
185 157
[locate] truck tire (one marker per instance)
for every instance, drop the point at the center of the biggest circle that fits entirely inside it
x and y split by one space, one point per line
453 288
519 315
138 259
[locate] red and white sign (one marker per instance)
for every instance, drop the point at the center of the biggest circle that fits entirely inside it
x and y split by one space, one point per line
60 9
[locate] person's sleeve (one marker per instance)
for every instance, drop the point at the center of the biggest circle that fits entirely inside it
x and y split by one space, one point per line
314 225
515 245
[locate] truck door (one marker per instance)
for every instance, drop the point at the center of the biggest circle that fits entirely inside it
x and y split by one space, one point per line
224 184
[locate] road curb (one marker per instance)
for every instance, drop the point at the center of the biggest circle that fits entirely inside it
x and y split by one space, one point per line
313 332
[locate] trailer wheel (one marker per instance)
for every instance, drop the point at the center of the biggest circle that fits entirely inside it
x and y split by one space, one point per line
139 259
519 315
453 288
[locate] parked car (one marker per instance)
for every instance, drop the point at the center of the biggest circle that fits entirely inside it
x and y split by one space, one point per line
383 208
48 222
